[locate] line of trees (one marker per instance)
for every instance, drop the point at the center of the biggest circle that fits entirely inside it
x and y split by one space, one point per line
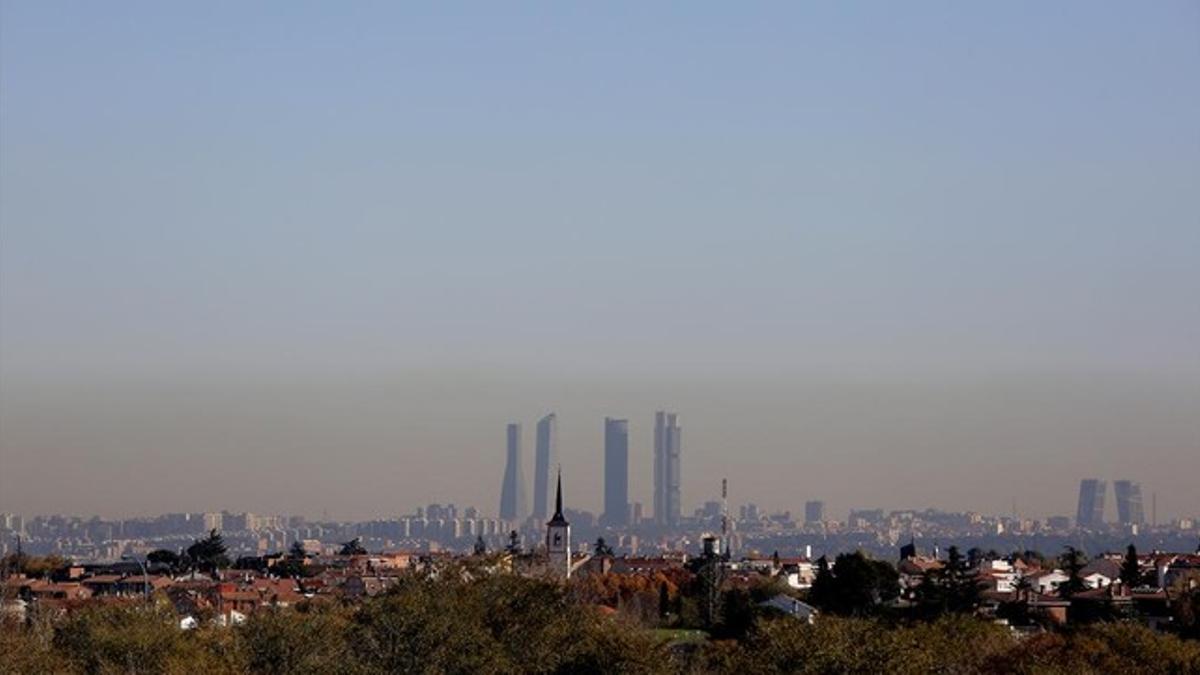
509 624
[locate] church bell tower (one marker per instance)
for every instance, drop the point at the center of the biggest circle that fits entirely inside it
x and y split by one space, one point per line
558 537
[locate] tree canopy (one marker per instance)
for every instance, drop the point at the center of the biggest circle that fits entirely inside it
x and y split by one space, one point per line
208 554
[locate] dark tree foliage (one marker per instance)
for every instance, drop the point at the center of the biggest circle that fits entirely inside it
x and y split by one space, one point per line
1072 561
296 551
1131 569
353 547
509 624
294 564
601 548
822 592
953 589
855 586
208 554
164 557
32 565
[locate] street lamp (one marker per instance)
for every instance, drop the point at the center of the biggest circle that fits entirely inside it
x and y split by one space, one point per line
145 575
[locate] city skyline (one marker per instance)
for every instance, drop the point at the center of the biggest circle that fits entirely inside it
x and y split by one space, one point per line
635 451
279 258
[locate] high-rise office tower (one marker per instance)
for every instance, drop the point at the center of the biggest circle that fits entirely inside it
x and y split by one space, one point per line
814 511
668 437
512 493
1129 502
616 472
1091 503
545 456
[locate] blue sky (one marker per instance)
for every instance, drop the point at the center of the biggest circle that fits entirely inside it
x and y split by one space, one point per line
931 190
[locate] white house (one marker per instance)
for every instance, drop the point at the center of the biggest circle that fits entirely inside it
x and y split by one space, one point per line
1049 582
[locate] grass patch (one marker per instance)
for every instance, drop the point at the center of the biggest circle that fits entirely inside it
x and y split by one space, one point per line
679 635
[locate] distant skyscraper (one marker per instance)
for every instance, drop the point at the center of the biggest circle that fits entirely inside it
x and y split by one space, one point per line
1091 503
545 456
1129 502
512 493
616 472
668 439
814 511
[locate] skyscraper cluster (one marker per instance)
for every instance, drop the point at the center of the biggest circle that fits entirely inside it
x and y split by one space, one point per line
618 511
513 504
1092 492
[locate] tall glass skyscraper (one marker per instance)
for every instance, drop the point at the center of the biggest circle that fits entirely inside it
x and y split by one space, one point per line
616 472
512 493
1091 503
1129 502
668 440
545 457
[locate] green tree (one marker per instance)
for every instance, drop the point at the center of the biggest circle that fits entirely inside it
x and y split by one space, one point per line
823 592
601 548
166 558
353 547
861 585
294 563
313 640
296 551
209 554
963 583
32 565
952 588
135 639
1131 570
1072 561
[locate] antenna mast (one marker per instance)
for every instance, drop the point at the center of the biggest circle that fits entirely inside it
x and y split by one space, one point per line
725 516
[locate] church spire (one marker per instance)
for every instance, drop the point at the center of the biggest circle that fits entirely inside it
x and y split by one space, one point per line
558 511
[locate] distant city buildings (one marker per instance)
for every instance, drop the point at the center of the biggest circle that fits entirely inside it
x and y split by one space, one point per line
668 443
616 472
1129 502
814 511
512 494
1090 513
545 457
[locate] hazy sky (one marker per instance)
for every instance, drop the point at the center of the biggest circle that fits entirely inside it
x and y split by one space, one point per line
296 257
